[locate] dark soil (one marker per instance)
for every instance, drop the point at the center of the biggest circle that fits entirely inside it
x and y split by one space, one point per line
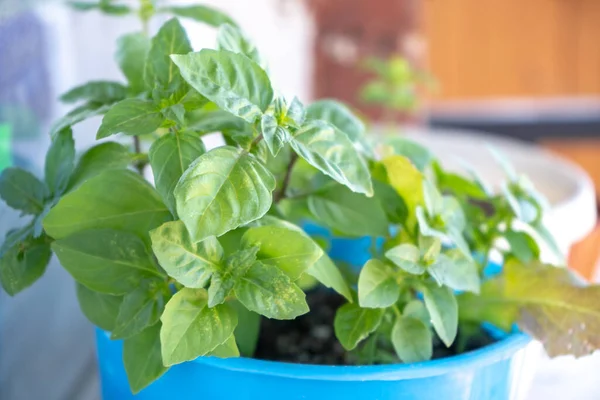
310 339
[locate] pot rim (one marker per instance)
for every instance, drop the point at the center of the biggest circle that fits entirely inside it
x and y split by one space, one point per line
493 353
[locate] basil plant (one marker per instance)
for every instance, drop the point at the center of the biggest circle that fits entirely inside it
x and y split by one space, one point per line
187 265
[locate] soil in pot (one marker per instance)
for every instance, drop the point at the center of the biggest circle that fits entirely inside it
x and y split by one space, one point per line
310 338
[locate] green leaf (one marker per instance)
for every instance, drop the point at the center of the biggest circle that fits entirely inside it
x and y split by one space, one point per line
226 350
169 157
106 261
142 358
23 260
60 161
412 340
201 13
190 263
338 115
102 157
408 183
140 309
190 329
419 155
557 307
548 238
222 281
137 209
456 271
247 330
430 248
77 115
102 92
231 38
443 309
266 290
221 190
407 256
232 81
522 246
275 136
326 272
83 5
490 305
160 70
452 214
353 324
115 9
132 51
349 213
208 121
131 117
291 251
377 286
416 309
22 191
393 205
101 309
434 203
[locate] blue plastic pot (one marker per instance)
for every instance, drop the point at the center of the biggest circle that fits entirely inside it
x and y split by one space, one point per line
490 373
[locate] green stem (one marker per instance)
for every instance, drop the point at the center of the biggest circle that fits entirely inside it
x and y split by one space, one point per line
137 147
280 195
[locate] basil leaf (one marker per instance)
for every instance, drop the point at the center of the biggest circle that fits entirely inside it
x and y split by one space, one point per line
143 370
60 161
443 309
232 81
106 261
392 204
412 340
407 256
275 136
349 213
377 286
338 115
78 115
207 121
22 191
221 190
247 330
522 246
328 274
491 305
231 38
190 263
102 157
190 329
456 271
23 260
263 289
408 183
160 70
169 157
140 309
132 51
137 208
101 309
223 280
201 13
226 350
327 149
102 92
419 155
353 324
131 117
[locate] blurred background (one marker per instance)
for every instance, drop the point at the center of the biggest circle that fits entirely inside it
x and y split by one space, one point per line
455 74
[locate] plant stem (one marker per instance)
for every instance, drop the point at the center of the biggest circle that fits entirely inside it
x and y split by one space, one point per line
139 165
286 179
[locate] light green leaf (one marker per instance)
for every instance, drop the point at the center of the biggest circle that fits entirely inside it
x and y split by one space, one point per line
266 290
190 329
102 157
23 260
140 309
292 114
412 340
132 51
231 38
60 161
22 191
430 248
247 330
377 286
452 214
221 190
407 181
329 150
102 92
353 324
222 281
226 350
416 309
169 157
443 309
101 309
137 209
407 256
207 121
190 263
548 238
77 115
275 136
201 13
338 115
131 117
326 272
456 271
419 155
291 251
106 261
522 246
490 305
142 358
349 213
232 81
434 203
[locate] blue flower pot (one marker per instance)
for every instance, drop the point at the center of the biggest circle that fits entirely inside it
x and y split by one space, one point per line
490 373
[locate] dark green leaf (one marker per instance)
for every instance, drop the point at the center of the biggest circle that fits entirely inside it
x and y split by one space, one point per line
142 358
140 309
106 261
338 115
443 309
60 161
353 324
131 117
101 309
232 81
102 157
132 50
169 157
23 260
201 13
221 190
102 92
191 329
412 340
22 191
247 330
377 286
393 205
